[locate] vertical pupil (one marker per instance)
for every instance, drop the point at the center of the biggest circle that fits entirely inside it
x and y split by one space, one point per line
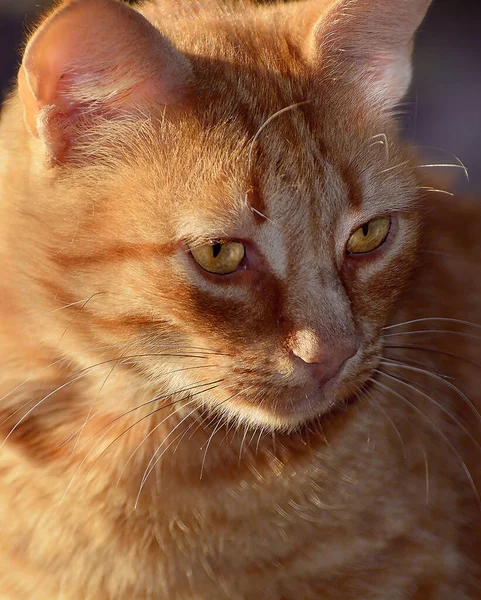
216 248
365 229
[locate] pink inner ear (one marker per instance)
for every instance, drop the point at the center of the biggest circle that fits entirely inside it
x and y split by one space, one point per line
95 56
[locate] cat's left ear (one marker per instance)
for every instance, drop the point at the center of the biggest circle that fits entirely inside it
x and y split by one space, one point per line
93 61
368 44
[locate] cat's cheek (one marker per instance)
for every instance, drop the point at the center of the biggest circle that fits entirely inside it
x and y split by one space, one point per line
375 280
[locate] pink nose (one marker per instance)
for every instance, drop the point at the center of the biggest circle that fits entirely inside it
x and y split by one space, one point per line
324 367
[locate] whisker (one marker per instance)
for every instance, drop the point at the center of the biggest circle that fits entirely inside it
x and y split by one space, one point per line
261 214
82 428
167 355
432 350
199 418
419 364
151 401
393 168
262 432
228 429
152 459
426 470
242 445
220 421
436 319
106 347
207 351
102 363
421 331
152 431
442 379
389 419
220 424
194 421
266 123
147 474
437 429
128 428
382 138
79 375
432 401
431 189
458 160
254 433
252 144
29 379
22 419
78 312
155 459
274 445
446 165
84 302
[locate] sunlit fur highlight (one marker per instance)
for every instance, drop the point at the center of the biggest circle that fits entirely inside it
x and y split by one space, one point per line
160 437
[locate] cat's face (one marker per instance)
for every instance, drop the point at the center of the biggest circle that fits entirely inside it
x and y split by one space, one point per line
264 247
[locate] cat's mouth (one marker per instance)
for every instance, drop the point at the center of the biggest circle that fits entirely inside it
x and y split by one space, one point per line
286 407
289 408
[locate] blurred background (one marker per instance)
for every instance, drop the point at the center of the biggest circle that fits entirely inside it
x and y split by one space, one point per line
442 116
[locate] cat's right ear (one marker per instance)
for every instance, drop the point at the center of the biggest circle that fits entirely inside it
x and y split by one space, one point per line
93 60
366 44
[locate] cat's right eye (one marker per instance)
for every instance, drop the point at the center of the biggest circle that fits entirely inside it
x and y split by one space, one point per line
369 236
219 257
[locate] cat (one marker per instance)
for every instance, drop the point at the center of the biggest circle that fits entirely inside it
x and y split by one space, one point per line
237 347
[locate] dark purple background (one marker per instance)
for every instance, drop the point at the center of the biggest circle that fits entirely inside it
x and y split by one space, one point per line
444 110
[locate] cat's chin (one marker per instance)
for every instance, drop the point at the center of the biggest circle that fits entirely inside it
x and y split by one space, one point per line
289 415
289 408
299 413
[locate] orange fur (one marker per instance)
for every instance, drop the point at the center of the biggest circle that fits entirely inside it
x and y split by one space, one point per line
166 432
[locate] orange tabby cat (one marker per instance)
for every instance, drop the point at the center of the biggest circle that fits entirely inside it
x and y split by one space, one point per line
207 220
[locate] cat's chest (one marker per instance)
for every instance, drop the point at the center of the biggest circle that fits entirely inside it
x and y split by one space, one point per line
244 527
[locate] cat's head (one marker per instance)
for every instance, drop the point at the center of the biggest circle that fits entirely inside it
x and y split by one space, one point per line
223 201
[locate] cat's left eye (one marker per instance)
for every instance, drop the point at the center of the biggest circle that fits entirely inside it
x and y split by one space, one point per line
218 257
369 236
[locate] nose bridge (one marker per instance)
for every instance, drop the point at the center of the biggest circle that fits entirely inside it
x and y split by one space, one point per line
319 304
